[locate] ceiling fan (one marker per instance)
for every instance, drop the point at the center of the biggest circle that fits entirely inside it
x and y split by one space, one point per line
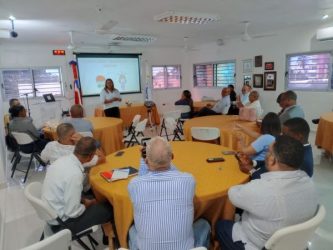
9 33
247 37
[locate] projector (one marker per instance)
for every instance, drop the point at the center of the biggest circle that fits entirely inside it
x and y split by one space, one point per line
13 34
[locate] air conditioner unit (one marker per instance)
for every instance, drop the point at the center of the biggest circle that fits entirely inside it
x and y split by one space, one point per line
325 34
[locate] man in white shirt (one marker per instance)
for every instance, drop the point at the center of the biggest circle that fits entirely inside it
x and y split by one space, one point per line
62 190
284 196
253 103
221 107
67 138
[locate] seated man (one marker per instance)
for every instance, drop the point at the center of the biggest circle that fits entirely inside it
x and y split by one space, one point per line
63 186
221 107
67 138
243 98
21 123
291 109
76 119
284 196
162 198
253 103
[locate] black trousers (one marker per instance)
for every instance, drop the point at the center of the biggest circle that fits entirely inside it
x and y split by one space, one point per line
112 112
207 111
97 214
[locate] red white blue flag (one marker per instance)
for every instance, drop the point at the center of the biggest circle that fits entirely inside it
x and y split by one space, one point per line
77 88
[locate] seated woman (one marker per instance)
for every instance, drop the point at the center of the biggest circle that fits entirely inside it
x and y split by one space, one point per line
21 123
270 128
186 99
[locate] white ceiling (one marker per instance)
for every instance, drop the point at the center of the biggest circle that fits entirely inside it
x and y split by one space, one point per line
48 21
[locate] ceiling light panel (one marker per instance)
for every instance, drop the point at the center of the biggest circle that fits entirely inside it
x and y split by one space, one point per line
186 17
133 38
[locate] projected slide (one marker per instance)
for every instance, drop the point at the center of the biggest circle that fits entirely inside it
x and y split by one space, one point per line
94 69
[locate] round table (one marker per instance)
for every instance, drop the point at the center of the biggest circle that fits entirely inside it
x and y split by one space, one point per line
325 132
108 131
212 181
127 113
226 124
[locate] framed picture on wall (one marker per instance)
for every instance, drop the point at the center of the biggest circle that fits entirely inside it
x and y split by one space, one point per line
258 80
270 80
269 65
258 61
247 79
247 66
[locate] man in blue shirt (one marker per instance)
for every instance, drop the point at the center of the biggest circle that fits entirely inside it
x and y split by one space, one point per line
162 198
76 119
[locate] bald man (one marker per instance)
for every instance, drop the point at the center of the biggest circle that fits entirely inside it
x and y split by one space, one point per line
253 103
80 124
162 198
221 107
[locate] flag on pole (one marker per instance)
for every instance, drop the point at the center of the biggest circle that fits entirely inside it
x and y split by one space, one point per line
77 87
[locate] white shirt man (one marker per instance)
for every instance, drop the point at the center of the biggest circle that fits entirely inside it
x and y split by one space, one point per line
284 196
62 187
54 150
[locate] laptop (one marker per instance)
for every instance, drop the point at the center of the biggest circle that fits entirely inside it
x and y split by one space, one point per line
49 98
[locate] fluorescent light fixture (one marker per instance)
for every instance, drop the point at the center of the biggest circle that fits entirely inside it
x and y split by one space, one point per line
12 18
324 17
133 38
186 17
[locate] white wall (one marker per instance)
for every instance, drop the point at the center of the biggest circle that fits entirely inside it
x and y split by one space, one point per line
272 48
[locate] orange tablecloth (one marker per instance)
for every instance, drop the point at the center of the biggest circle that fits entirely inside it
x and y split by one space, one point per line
226 124
324 136
212 181
108 131
127 113
199 105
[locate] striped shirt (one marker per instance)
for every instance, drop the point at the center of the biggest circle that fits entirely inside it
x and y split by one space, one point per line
163 210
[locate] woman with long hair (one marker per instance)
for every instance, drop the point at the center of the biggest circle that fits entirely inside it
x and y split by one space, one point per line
110 98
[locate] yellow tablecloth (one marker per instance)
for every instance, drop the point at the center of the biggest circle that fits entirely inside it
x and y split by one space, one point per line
199 105
127 113
108 131
324 136
226 124
212 181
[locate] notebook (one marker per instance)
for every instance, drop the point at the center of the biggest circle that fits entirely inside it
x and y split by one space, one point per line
119 173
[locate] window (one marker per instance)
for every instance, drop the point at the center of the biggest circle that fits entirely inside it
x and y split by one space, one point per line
219 74
309 71
33 82
166 77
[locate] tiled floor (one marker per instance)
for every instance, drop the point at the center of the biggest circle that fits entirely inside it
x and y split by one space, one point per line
22 226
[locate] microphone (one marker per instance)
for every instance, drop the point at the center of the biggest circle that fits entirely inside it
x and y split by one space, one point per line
36 90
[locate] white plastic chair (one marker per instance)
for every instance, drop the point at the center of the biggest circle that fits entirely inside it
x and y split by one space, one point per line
171 125
23 139
297 236
172 114
58 241
134 136
206 134
135 121
33 193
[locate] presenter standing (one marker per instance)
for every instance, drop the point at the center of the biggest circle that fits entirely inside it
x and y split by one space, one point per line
110 98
